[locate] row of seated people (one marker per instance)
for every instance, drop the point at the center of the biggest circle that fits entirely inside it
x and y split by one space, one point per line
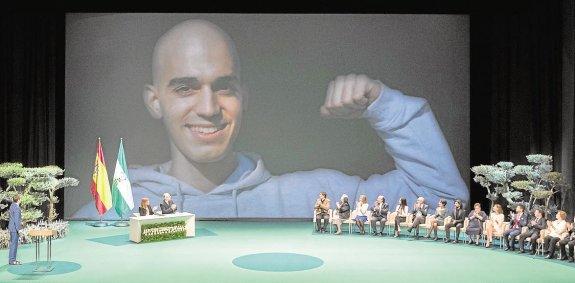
167 206
521 228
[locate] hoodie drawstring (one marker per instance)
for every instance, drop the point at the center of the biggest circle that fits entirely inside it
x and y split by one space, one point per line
235 197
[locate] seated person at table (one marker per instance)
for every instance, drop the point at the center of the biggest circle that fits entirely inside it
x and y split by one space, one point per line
568 240
145 208
437 219
535 226
475 228
321 208
343 210
168 206
379 213
518 220
495 224
419 213
557 231
401 212
457 219
361 213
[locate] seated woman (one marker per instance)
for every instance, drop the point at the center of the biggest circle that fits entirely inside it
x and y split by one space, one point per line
402 210
145 209
343 210
475 228
361 213
437 218
168 206
557 231
495 224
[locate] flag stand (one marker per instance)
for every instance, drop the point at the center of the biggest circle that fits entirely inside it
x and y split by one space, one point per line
100 223
122 222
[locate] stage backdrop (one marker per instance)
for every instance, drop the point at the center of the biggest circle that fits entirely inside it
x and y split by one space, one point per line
287 62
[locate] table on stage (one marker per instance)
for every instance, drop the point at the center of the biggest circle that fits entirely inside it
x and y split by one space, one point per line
136 223
37 235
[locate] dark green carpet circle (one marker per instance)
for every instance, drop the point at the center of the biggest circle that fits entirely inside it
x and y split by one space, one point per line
60 267
277 262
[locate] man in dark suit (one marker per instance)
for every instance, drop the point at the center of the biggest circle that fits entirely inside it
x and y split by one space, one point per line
419 213
168 206
457 219
535 226
14 225
570 241
379 213
518 220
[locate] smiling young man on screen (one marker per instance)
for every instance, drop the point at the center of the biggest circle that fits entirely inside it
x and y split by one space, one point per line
198 94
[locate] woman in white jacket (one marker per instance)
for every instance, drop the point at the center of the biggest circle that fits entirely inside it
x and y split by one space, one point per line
361 213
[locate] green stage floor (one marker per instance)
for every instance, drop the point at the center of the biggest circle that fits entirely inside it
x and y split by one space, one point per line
90 254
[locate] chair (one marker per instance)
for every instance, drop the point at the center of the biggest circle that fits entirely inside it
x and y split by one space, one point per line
390 221
330 220
335 217
442 227
351 221
495 234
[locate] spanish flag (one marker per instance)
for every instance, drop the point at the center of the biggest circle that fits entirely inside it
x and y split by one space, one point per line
100 186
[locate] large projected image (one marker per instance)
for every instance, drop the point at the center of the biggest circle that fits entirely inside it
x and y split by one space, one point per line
343 104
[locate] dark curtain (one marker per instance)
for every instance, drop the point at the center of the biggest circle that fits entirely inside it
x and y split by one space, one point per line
32 90
516 73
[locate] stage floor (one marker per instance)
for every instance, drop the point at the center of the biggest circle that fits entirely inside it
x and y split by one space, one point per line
90 254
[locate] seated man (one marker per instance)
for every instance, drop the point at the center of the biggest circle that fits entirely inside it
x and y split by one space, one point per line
379 213
535 226
419 212
518 220
568 240
321 212
168 206
457 219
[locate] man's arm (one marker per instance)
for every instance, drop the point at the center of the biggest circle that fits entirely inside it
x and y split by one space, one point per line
424 164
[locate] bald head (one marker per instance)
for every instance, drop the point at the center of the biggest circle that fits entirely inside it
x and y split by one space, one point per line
192 40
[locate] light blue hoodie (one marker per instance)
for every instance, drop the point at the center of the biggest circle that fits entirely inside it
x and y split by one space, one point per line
424 167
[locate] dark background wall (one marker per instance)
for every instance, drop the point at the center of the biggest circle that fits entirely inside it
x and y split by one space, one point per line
521 81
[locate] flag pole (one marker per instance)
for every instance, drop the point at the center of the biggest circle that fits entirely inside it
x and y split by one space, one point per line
122 222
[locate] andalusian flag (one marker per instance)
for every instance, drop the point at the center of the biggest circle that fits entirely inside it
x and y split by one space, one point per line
100 186
121 187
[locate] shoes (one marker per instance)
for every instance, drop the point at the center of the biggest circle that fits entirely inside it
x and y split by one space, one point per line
337 233
550 256
521 251
488 245
571 259
471 243
374 234
446 240
435 238
507 248
563 257
477 243
16 262
396 234
455 242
